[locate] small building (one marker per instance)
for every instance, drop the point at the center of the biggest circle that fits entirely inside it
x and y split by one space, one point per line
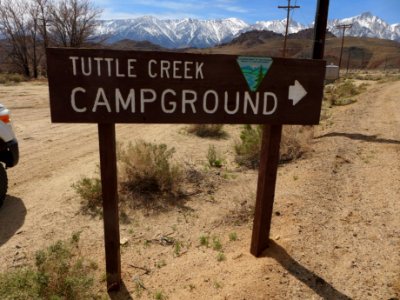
331 72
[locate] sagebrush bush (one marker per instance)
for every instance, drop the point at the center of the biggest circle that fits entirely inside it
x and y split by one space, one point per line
147 177
89 189
60 272
294 142
248 148
207 130
147 168
343 92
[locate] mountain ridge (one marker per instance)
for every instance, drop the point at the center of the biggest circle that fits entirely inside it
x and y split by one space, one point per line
188 32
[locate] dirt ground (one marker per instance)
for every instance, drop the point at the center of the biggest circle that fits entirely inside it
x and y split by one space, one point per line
335 231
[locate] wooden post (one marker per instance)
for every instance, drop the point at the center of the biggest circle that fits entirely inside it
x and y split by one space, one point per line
269 159
321 20
108 168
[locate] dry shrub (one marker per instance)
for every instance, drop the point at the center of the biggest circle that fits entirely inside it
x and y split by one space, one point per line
214 158
242 213
343 92
148 179
60 272
147 170
207 130
295 142
11 78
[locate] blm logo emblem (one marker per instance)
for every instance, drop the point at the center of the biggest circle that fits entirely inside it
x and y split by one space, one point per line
254 69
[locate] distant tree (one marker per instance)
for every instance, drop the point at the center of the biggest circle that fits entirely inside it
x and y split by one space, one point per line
43 19
72 22
26 25
33 25
14 21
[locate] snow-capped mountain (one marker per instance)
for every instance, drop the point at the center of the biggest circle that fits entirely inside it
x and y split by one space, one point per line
277 26
172 33
366 25
182 33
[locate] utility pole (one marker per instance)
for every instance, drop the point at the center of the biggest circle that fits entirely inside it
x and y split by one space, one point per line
343 27
321 20
288 8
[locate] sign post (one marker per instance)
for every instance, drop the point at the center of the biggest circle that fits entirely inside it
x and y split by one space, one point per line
269 159
108 171
109 86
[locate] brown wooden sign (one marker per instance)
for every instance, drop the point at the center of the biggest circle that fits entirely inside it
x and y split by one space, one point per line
109 86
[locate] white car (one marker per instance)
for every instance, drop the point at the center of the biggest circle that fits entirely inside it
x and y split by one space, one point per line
9 153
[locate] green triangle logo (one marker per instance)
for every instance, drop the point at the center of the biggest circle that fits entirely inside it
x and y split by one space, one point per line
254 69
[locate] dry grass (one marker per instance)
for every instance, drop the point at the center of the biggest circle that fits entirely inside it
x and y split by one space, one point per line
242 213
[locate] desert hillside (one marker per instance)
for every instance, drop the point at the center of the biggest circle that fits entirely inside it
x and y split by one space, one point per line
358 53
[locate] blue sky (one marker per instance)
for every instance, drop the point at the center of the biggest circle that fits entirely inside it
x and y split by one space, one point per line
248 10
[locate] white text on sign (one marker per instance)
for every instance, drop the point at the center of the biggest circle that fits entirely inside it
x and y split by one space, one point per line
113 67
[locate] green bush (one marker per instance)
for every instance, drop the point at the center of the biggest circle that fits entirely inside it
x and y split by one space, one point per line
207 130
248 149
294 143
89 189
205 240
221 257
147 168
214 158
19 284
59 273
233 236
343 92
216 243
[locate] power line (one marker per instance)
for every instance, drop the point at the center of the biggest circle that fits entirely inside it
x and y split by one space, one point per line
288 8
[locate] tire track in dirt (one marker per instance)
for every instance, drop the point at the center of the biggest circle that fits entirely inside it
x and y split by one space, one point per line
348 218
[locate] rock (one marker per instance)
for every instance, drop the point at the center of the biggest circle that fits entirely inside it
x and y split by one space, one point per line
123 241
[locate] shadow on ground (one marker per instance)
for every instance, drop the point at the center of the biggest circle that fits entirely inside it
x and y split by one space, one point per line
12 217
361 137
122 294
309 278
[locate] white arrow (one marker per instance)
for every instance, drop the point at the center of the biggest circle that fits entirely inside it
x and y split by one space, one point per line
296 92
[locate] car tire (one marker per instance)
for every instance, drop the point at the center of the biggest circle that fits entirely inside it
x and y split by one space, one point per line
3 184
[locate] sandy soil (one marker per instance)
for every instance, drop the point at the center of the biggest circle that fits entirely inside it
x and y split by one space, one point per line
336 225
